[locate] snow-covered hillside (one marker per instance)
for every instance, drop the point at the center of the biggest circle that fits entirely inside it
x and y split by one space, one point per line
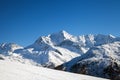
100 61
17 71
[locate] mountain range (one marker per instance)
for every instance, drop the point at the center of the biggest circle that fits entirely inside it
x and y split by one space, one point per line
96 55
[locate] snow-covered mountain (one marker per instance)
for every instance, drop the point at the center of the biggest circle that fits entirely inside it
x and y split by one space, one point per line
8 48
59 48
101 61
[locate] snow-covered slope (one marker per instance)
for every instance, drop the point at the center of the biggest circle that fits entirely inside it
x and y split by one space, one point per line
100 61
17 71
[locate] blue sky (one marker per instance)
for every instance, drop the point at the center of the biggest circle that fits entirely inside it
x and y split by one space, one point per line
23 21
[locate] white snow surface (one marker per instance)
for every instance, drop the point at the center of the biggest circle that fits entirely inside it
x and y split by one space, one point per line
18 71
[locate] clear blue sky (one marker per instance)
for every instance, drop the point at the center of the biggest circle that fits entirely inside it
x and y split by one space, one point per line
23 21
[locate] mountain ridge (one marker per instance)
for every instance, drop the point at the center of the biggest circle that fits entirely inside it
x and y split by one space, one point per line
62 48
64 41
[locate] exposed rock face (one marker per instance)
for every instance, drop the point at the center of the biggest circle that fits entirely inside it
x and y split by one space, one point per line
1 58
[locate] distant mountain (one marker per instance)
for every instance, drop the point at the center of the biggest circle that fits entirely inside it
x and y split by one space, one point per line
9 48
93 54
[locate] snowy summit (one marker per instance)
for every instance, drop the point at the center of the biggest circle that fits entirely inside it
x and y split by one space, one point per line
94 53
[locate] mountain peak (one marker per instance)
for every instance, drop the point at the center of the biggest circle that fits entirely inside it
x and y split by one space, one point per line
58 37
110 35
9 45
43 40
63 32
54 38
